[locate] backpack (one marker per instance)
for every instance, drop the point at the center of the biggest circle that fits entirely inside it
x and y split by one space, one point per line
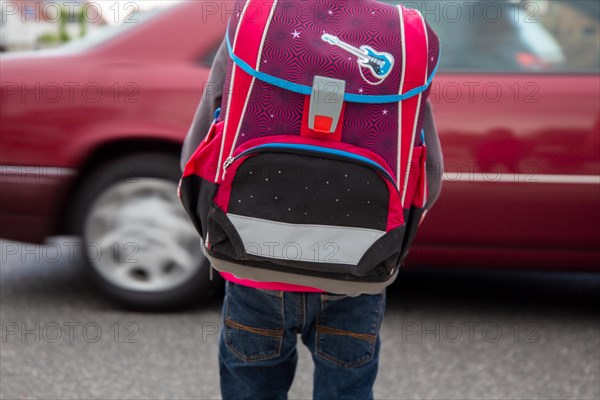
313 171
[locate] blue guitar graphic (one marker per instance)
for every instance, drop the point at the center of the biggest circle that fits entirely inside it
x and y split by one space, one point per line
379 63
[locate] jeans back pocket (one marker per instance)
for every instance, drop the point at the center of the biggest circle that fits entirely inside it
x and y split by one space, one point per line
253 323
348 328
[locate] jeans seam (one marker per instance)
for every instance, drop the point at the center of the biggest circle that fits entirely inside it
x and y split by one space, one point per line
276 333
302 313
266 356
334 331
356 363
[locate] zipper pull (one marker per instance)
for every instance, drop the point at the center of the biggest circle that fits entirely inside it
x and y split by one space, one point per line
227 163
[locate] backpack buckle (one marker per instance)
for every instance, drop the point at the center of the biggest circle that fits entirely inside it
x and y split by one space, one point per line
326 101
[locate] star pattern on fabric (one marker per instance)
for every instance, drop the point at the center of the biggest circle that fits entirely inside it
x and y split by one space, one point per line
296 34
385 112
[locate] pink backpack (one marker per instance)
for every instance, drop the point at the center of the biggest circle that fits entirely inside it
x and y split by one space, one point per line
313 172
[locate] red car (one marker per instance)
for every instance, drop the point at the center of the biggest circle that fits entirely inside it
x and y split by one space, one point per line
91 135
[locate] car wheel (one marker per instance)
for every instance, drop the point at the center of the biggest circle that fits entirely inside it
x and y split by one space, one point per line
141 247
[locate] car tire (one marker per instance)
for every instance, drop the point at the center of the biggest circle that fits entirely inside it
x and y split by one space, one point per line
140 247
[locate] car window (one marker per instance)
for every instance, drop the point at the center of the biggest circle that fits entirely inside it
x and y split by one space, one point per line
575 26
542 36
108 32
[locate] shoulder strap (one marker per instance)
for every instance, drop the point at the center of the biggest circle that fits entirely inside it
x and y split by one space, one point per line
249 36
417 54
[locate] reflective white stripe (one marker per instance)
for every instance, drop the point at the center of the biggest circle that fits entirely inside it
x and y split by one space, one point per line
311 243
416 117
522 178
230 94
403 45
257 67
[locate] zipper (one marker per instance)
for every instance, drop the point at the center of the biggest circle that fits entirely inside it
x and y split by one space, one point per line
228 162
312 150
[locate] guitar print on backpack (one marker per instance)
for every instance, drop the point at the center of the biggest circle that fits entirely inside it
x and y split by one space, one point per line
378 63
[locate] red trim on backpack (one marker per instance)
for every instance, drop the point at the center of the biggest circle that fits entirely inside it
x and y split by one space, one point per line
296 139
247 45
395 214
206 156
416 59
224 192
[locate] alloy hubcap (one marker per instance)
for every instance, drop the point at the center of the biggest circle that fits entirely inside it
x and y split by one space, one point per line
139 237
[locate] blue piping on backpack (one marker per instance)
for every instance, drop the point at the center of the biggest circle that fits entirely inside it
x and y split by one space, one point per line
307 90
316 149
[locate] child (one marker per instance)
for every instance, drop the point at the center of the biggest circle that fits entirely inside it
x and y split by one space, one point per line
261 320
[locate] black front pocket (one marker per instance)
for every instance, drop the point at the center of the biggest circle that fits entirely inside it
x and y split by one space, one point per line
307 213
314 213
311 190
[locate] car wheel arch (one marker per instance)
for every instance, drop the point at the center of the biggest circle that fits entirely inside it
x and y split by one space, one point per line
101 155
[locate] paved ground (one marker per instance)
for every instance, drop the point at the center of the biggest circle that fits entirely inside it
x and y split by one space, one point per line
445 336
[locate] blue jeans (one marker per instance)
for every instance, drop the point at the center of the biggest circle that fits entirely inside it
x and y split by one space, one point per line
257 348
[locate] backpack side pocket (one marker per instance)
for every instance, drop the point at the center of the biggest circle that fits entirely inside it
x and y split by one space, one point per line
197 185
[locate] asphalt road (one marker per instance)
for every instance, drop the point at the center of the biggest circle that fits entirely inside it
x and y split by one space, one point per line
452 335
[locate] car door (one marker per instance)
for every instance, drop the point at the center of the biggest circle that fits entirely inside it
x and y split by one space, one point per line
517 106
